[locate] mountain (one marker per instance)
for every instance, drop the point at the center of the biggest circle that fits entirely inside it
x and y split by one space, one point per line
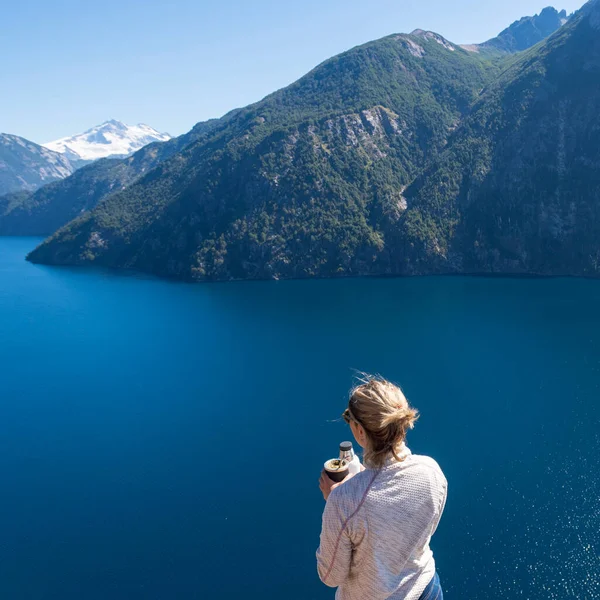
367 165
111 139
42 213
27 166
527 32
47 209
518 190
296 184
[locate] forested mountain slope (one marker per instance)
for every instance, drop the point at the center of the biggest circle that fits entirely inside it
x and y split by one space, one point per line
518 191
296 185
501 169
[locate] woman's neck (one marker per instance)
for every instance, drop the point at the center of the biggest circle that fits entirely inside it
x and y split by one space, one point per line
392 457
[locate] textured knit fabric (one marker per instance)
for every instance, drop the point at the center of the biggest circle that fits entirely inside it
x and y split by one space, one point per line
433 591
377 527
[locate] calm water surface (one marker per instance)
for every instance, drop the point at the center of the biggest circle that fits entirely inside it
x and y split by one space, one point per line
163 441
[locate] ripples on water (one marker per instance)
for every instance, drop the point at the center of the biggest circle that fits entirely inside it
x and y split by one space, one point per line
117 395
543 539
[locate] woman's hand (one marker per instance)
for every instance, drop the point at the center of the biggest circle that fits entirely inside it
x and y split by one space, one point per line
326 484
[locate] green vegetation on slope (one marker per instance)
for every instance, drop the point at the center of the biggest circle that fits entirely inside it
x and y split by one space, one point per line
518 191
408 155
306 182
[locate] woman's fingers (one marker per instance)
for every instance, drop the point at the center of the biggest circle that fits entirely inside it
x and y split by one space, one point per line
325 484
322 482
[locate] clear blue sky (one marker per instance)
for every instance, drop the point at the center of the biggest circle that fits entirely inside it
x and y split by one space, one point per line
68 65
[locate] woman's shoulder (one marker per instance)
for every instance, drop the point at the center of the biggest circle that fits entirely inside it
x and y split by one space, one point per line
426 461
430 466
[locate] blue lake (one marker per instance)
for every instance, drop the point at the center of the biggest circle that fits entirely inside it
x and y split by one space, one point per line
163 441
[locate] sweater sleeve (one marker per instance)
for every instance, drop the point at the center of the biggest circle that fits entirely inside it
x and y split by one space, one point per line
335 551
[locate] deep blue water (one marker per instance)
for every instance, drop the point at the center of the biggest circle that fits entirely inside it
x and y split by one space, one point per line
147 429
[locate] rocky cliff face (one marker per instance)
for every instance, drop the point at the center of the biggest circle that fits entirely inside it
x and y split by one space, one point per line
27 166
527 32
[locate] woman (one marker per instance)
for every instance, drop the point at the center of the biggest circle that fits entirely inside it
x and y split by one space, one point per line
377 525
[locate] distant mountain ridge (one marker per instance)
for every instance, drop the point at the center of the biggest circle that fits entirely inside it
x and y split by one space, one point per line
111 139
47 209
527 32
27 166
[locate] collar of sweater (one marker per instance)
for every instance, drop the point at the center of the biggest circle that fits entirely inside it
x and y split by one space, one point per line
403 453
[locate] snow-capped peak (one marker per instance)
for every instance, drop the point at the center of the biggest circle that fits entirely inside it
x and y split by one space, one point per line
112 138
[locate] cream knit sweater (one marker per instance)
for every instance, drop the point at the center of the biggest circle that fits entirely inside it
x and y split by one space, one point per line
377 527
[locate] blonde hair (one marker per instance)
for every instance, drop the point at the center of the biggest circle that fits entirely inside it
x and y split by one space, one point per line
385 415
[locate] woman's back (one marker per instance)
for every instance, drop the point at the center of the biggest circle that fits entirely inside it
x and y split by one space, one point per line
377 527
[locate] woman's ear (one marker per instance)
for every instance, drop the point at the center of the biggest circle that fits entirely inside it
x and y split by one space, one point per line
362 435
359 433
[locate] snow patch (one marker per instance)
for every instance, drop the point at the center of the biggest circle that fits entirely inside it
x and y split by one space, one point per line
112 138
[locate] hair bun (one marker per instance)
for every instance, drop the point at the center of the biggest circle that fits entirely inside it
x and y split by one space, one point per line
402 416
408 416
